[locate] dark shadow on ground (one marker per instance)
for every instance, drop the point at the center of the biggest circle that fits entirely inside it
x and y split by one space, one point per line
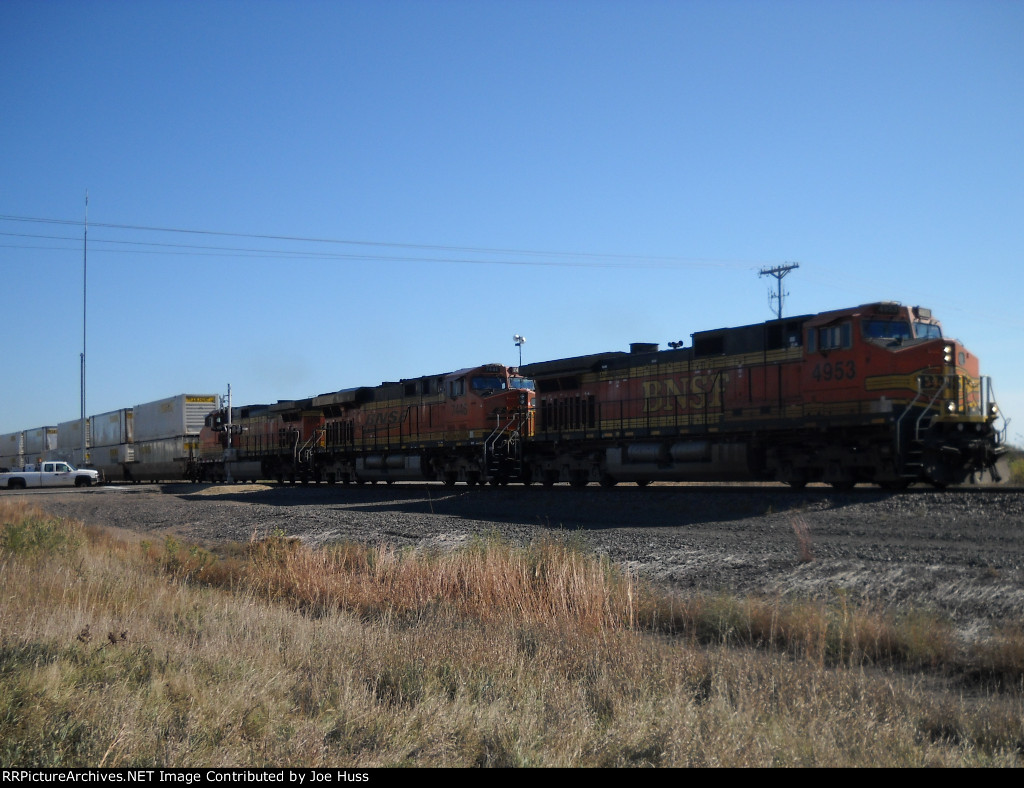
558 507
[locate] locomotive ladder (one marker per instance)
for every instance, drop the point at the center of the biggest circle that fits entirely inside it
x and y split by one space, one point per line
495 462
913 455
304 453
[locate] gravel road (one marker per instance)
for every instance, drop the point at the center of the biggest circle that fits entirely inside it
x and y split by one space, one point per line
960 552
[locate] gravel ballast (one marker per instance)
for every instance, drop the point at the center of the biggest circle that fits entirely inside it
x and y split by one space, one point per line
959 552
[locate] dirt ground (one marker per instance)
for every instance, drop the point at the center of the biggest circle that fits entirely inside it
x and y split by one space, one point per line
960 552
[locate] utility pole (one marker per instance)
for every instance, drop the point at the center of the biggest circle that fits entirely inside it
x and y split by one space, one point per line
779 272
85 281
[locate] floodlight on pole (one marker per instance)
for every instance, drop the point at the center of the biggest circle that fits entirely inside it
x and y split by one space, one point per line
519 340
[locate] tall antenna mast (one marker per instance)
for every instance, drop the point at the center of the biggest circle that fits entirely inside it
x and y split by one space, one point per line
779 272
85 281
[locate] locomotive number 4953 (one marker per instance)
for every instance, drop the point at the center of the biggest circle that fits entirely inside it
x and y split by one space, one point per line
840 370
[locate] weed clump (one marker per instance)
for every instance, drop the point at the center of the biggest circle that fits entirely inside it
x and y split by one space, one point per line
27 532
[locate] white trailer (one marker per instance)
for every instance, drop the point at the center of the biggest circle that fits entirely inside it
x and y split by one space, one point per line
184 414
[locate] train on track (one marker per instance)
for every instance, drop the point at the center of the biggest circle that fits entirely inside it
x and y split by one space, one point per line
870 394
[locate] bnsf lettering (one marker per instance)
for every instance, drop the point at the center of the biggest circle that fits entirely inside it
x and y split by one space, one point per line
683 395
384 418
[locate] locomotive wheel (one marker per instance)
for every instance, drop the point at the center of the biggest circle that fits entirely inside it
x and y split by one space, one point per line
549 479
608 481
642 482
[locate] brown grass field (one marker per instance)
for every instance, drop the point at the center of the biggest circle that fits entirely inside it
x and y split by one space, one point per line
119 652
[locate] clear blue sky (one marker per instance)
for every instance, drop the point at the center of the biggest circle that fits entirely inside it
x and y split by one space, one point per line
586 174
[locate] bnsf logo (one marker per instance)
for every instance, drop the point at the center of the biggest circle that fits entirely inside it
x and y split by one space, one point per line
684 394
384 418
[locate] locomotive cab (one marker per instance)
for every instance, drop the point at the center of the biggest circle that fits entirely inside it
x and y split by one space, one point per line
481 399
889 364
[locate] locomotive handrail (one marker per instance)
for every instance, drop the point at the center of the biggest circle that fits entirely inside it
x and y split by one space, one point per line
906 410
924 412
302 453
927 408
988 398
499 430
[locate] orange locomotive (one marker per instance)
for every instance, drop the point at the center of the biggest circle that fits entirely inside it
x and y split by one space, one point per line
470 425
869 394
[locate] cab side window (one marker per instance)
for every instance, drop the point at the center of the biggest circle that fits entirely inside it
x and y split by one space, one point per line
834 337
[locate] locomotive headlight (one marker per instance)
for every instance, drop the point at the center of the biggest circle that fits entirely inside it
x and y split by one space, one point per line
522 397
947 354
951 407
993 410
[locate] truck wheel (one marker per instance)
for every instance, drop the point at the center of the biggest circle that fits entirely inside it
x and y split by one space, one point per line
82 481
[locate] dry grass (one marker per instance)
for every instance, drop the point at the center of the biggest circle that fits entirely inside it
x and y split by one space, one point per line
121 654
1016 467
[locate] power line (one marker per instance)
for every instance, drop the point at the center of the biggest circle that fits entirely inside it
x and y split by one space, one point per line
613 260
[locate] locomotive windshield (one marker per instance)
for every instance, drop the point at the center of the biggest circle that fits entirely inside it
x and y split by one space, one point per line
900 330
927 331
521 383
887 329
488 383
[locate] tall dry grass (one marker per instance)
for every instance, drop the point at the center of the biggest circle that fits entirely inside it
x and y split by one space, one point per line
117 653
1016 467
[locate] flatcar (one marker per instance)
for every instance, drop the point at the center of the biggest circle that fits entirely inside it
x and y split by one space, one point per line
874 393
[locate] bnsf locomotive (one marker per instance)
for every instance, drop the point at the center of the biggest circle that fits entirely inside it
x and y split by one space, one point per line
465 426
870 394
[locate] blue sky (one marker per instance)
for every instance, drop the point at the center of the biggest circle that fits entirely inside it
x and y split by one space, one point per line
392 189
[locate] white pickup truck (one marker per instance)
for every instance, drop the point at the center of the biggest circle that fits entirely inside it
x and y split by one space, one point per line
49 474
